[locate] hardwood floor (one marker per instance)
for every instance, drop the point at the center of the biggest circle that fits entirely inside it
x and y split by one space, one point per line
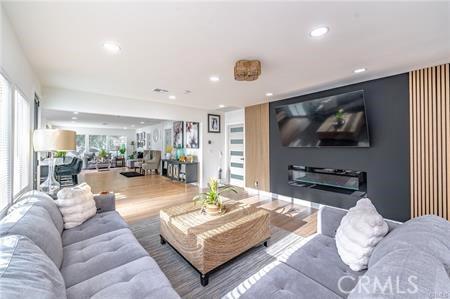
142 197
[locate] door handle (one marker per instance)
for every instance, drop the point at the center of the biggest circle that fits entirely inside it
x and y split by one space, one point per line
242 159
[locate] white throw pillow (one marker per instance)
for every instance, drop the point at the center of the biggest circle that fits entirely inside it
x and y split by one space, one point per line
359 232
76 205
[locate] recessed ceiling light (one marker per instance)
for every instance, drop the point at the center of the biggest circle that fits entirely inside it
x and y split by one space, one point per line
142 122
112 47
124 128
172 97
319 31
214 79
74 118
221 106
73 121
132 126
359 70
75 112
269 94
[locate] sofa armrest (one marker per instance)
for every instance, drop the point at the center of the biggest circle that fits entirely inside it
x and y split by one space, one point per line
328 220
105 202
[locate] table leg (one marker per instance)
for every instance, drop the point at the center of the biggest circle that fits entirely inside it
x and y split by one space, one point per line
161 240
204 279
265 243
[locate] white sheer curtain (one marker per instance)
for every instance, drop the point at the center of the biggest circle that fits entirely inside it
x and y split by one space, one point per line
22 143
5 142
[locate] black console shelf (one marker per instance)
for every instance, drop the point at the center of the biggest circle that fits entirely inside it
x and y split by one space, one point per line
327 179
186 172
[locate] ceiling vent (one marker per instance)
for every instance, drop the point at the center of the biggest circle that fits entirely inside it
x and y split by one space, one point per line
160 90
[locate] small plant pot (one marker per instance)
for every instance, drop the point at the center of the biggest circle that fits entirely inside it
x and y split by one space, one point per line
212 210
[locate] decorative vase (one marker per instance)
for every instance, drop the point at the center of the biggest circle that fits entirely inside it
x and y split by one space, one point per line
212 209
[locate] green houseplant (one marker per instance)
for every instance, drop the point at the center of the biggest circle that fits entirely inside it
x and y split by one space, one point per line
60 154
102 154
339 117
122 150
211 200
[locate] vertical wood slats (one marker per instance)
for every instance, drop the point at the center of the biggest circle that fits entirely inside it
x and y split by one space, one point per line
257 166
429 91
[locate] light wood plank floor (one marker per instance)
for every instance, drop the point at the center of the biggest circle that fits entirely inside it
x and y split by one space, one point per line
142 197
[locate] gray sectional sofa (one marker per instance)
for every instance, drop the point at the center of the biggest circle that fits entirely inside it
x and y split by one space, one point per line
412 261
99 259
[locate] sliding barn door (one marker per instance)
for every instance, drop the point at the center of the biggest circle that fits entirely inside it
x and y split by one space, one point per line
430 141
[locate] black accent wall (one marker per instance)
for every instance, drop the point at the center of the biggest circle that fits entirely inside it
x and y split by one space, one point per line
386 161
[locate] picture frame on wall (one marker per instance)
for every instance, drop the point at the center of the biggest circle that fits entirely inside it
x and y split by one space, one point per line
213 123
178 134
192 134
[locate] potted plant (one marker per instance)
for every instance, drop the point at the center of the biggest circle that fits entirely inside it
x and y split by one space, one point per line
339 117
102 154
211 200
169 150
122 150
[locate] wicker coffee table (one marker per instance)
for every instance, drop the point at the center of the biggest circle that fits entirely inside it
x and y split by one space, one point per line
208 242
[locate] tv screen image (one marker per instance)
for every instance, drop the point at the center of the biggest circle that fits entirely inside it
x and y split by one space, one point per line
338 120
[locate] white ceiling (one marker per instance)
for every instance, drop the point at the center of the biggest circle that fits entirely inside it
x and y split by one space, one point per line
177 46
90 120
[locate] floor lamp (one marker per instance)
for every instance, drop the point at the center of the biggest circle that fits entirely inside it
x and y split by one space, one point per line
53 140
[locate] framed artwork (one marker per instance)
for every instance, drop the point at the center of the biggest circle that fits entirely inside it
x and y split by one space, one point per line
178 134
213 123
192 135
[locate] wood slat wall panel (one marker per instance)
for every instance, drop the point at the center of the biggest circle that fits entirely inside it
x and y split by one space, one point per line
430 141
257 146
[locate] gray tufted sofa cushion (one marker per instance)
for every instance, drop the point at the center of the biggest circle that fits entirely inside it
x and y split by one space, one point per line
319 260
426 233
140 278
86 259
278 280
414 259
27 272
34 222
43 200
97 225
404 273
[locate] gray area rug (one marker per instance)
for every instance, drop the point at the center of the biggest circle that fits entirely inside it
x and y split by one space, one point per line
186 280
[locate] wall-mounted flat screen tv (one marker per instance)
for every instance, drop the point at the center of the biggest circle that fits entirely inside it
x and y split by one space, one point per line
338 120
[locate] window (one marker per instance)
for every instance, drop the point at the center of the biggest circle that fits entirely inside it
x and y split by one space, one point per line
22 143
5 129
97 142
81 143
115 142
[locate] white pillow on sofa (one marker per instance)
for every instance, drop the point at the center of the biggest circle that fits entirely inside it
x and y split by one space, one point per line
359 232
76 205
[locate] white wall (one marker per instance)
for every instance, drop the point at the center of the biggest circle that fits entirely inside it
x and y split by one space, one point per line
13 62
150 130
209 154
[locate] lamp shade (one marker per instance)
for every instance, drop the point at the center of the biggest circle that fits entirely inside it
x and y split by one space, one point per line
52 140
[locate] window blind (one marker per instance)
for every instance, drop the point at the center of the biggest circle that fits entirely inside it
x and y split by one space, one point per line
5 129
22 143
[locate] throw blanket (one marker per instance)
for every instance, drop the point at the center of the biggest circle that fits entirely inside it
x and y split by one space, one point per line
359 232
76 205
